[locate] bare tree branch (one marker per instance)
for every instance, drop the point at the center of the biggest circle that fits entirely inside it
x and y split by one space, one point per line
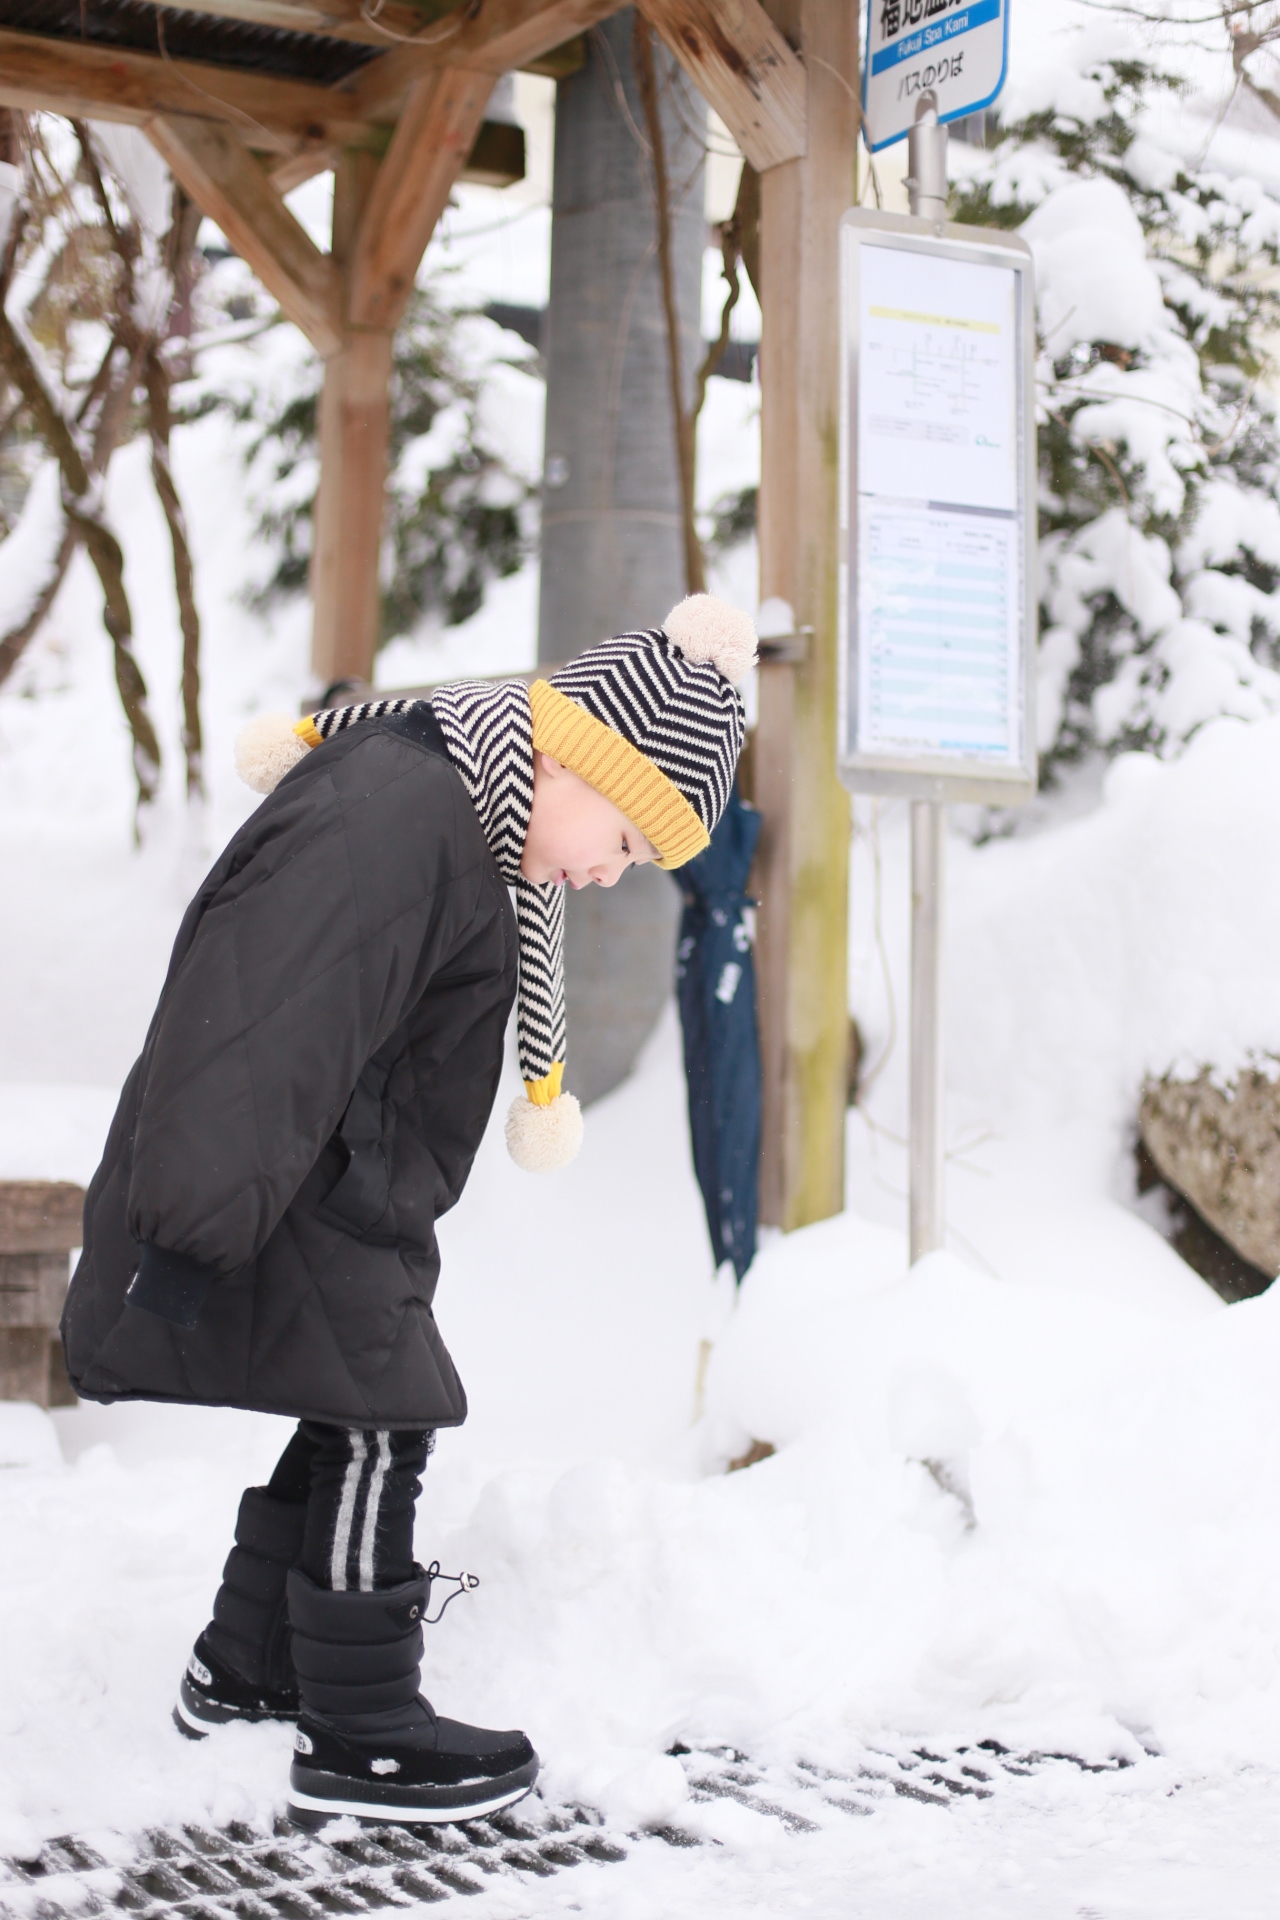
746 221
84 444
729 255
13 643
179 243
84 512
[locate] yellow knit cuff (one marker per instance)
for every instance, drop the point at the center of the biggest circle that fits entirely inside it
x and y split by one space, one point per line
619 771
306 730
543 1092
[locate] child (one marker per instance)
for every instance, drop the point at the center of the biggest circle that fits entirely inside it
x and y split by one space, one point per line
314 1086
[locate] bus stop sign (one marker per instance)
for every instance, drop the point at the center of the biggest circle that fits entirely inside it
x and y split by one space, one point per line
955 49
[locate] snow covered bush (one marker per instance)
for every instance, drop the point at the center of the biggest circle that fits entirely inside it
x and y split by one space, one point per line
1158 289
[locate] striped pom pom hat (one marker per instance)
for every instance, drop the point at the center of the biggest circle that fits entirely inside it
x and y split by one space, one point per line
650 719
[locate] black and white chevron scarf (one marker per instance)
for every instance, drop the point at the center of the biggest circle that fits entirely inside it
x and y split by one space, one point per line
488 730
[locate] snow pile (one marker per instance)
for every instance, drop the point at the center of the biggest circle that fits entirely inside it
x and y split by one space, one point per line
28 1437
1140 939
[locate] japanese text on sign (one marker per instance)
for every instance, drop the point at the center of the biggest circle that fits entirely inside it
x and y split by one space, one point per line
954 49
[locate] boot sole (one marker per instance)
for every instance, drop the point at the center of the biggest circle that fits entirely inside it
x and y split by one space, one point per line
374 1804
195 1717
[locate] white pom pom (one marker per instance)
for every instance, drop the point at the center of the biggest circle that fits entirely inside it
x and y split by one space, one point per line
541 1139
266 750
712 633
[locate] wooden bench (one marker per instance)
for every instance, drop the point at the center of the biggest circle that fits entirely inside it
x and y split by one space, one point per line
40 1223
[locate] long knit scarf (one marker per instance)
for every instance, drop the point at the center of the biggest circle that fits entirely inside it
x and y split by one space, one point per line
488 730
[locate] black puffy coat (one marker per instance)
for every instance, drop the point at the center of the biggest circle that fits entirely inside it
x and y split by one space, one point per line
314 1086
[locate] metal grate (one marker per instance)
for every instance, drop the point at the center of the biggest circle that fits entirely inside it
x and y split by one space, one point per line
190 35
240 1872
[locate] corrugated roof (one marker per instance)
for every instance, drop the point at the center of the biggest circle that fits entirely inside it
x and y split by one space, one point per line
137 26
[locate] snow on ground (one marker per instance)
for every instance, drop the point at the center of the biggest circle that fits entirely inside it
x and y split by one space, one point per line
1057 1377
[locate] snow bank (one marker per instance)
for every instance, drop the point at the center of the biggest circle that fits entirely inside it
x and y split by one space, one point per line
996 1512
1139 939
28 1437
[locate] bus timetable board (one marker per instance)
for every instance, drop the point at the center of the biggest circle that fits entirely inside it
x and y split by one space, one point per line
938 501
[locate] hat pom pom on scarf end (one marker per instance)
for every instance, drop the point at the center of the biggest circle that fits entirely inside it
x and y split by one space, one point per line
544 1126
271 746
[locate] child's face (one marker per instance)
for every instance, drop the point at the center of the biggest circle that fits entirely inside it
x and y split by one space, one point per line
575 834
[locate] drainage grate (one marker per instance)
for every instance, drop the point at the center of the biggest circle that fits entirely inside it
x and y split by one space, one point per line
243 1873
800 1796
240 1872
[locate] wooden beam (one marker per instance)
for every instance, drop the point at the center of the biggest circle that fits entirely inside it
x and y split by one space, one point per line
803 868
229 186
497 156
559 62
498 37
432 140
84 80
502 35
379 91
496 160
107 83
739 61
296 168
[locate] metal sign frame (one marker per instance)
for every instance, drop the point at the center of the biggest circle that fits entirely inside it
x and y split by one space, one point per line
934 38
949 776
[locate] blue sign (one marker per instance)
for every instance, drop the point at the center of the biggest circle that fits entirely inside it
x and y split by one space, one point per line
956 50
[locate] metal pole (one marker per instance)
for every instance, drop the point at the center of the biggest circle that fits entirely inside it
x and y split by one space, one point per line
927 1109
927 187
927 161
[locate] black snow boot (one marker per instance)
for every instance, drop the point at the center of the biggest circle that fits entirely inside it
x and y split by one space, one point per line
241 1667
367 1743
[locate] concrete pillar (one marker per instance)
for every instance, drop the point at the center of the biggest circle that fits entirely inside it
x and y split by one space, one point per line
612 553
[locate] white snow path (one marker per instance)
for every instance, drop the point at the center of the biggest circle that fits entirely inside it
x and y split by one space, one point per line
1142 1846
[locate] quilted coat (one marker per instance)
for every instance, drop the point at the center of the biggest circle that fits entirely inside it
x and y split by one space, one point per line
313 1088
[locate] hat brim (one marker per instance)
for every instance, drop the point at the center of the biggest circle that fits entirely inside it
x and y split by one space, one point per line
618 770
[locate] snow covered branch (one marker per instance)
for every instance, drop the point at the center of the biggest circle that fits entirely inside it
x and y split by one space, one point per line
1158 311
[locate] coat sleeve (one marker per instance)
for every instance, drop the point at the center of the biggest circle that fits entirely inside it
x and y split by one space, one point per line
318 931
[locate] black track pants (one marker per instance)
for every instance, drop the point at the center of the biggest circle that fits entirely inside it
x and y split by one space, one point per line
359 1488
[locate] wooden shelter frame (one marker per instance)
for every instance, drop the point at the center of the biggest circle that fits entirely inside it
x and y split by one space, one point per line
245 99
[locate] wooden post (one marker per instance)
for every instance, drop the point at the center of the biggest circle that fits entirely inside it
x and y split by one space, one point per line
355 419
803 869
383 216
40 1222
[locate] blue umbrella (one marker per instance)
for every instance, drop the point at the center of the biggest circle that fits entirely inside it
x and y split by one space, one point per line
716 990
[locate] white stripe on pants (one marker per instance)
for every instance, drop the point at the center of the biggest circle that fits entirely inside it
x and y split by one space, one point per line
346 1513
373 1500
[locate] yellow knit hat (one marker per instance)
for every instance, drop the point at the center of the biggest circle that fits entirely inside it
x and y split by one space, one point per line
653 721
